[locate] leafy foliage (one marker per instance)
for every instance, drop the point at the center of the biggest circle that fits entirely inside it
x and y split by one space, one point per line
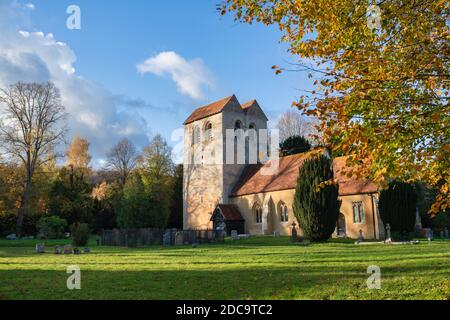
176 206
316 205
294 145
397 205
52 227
381 94
80 234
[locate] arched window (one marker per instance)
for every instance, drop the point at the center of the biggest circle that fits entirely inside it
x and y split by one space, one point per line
197 135
237 125
252 126
208 131
283 210
257 212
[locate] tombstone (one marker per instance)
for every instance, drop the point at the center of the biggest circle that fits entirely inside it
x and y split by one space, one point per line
40 248
361 237
294 233
234 235
179 238
276 234
68 249
86 250
167 238
76 251
11 237
446 233
58 249
388 232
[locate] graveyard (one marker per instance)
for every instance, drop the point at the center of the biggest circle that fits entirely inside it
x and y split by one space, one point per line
254 268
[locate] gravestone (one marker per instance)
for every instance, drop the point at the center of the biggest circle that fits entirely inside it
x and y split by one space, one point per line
40 248
234 235
11 237
276 234
76 251
361 237
68 249
58 249
167 238
86 250
388 232
294 233
178 238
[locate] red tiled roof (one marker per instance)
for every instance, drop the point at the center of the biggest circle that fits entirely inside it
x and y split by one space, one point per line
253 180
209 110
248 104
230 212
348 186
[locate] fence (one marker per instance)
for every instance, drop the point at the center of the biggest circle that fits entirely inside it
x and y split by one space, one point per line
148 237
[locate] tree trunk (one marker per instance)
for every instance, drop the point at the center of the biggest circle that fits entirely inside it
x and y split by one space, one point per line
22 208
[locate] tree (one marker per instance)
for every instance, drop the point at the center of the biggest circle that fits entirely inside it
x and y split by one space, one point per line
156 169
293 123
381 78
134 208
397 206
32 126
316 204
176 203
78 156
294 145
122 159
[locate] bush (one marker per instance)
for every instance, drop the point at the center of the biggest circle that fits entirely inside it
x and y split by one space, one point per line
316 204
294 145
52 227
397 207
80 234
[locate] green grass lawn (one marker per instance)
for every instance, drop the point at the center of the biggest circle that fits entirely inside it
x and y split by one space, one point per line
256 268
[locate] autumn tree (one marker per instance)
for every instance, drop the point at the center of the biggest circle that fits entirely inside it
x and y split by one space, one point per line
122 159
381 77
78 157
32 124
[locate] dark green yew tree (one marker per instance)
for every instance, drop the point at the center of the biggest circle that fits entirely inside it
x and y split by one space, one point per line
316 204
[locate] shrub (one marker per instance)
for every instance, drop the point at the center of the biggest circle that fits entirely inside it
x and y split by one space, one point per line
294 145
52 227
316 204
80 234
397 207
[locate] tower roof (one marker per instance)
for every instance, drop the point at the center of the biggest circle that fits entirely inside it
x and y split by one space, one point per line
217 107
210 109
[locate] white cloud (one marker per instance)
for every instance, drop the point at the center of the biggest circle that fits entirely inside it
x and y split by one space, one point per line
190 76
30 6
94 112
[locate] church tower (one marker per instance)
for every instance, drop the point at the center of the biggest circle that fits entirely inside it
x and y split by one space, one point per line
213 157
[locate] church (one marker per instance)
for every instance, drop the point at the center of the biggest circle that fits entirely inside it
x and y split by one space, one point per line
246 194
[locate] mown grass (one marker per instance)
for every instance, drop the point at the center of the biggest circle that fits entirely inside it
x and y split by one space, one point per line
256 268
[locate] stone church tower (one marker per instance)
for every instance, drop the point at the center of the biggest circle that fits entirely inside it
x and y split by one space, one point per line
209 175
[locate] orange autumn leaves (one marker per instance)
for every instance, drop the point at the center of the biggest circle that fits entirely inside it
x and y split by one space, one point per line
381 95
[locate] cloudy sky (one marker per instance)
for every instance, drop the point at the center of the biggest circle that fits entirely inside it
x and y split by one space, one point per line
138 68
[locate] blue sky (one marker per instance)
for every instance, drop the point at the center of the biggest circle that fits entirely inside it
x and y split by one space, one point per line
116 36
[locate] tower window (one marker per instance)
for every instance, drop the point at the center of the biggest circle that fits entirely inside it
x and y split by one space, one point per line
208 131
238 124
